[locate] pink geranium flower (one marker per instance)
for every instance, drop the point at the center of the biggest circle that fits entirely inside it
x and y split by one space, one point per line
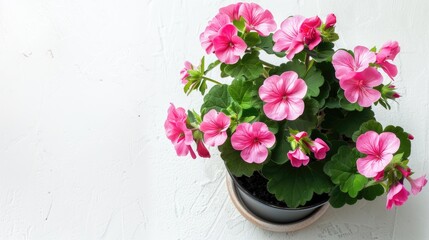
214 127
287 37
405 172
253 140
232 11
202 150
379 150
257 19
417 184
184 72
379 177
296 32
300 135
397 196
360 87
283 96
298 158
228 46
212 31
346 66
177 132
388 51
319 148
331 20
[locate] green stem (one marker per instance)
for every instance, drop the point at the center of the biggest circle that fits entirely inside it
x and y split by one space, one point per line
307 59
211 80
268 64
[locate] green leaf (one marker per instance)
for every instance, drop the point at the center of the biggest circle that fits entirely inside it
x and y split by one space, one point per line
308 120
372 192
217 98
324 94
249 66
244 93
235 164
371 125
282 147
211 66
343 172
338 199
323 52
313 77
405 146
235 110
296 186
240 24
252 39
344 122
267 44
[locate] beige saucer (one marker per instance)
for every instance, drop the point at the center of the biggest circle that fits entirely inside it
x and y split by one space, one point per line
289 227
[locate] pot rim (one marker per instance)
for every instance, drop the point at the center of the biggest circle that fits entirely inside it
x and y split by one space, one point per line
236 184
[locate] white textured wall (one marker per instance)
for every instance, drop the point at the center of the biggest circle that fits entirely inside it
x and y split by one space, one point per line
84 88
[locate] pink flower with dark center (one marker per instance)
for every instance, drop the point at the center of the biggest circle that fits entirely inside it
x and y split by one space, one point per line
212 31
176 130
283 96
253 140
257 19
214 127
346 66
319 148
388 51
228 46
379 150
331 20
298 158
202 150
397 196
232 11
360 87
310 33
287 38
184 72
417 184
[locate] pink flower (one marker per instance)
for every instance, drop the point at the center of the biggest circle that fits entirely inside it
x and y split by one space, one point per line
417 184
287 38
228 46
232 11
298 158
296 32
257 19
388 51
253 140
212 31
379 150
202 150
397 196
359 88
177 132
346 66
283 96
214 127
310 33
331 20
319 148
184 72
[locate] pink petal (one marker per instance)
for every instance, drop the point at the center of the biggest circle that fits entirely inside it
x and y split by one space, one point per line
389 69
370 77
297 88
276 110
242 138
368 96
263 134
270 91
363 57
295 108
202 150
370 166
388 143
297 158
295 47
418 184
256 153
331 20
367 143
344 64
231 11
397 195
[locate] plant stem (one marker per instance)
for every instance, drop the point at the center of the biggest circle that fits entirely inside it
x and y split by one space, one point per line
307 59
267 64
211 80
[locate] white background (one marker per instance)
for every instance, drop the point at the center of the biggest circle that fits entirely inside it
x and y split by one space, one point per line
84 90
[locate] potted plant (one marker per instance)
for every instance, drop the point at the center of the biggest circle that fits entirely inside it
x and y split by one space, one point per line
296 135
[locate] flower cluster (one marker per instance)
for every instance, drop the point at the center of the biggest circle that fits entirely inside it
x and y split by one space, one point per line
312 113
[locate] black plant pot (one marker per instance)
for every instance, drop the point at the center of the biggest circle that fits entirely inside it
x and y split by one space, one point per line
275 214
